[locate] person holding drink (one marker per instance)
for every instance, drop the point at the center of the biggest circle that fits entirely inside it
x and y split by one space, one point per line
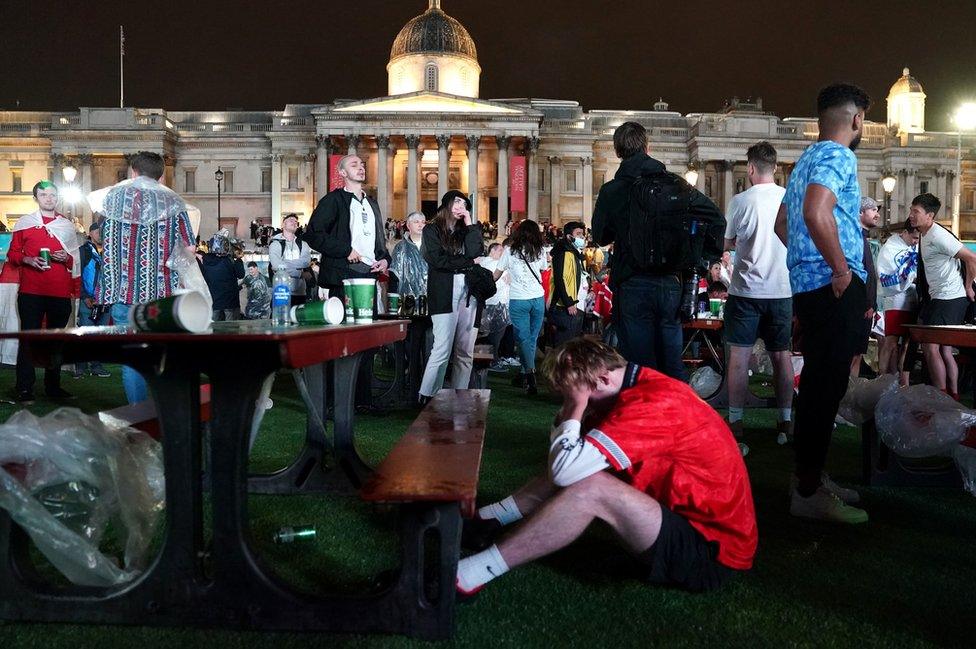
43 249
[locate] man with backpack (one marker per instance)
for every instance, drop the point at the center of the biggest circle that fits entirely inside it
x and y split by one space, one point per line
945 287
661 228
287 249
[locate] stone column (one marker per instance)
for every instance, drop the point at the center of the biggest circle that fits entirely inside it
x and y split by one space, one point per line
700 183
502 141
352 143
728 184
555 188
473 142
587 190
308 178
321 167
85 176
383 175
443 165
531 150
413 173
276 190
58 162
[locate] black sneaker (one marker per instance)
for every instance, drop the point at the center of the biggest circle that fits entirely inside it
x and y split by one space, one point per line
24 398
59 394
478 534
101 373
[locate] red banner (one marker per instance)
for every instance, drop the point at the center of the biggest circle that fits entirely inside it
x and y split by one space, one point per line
335 180
517 182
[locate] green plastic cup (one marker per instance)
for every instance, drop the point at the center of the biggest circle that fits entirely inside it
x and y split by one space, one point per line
360 299
318 313
715 306
393 303
184 312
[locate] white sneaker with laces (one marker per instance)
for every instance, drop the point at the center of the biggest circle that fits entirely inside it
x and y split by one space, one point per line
825 506
849 496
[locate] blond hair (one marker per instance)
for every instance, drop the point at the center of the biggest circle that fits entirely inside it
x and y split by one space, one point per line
581 361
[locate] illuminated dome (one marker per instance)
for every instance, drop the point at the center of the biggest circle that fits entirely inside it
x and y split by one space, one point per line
906 105
434 53
433 32
907 83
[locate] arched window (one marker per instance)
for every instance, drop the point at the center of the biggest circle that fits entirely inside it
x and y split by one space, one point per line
430 77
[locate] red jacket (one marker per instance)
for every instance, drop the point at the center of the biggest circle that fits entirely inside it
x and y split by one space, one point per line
53 282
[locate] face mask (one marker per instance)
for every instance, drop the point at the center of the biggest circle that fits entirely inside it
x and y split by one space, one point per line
579 243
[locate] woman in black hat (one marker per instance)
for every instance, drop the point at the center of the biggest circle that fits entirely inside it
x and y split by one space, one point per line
451 244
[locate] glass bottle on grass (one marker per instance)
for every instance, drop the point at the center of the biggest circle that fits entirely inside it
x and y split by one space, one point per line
281 297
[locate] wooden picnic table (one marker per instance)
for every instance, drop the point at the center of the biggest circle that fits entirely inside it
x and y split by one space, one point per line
235 589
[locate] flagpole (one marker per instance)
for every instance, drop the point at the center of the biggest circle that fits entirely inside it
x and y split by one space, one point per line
121 67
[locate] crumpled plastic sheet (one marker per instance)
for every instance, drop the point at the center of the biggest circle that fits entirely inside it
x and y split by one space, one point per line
184 263
921 421
759 360
705 381
862 397
66 476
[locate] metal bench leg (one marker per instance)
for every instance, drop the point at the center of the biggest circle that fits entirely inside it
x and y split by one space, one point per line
430 536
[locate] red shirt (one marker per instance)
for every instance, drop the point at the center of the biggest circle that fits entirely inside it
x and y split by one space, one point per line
53 282
673 446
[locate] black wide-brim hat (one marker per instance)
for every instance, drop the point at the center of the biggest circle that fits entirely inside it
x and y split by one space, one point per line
449 197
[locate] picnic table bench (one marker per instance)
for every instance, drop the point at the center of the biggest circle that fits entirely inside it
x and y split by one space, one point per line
431 474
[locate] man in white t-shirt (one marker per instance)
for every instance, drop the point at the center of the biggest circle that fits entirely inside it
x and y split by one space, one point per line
948 294
760 302
897 266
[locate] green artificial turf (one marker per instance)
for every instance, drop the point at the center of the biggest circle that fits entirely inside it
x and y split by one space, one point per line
905 579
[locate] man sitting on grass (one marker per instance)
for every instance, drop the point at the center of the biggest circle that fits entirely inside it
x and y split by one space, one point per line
657 464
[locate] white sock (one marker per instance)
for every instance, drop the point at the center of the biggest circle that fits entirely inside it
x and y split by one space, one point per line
505 511
477 570
735 414
785 414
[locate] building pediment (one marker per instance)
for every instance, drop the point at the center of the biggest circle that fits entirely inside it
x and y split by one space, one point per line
427 102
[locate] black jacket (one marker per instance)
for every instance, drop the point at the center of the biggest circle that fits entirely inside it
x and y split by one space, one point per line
221 275
610 215
566 274
443 265
328 233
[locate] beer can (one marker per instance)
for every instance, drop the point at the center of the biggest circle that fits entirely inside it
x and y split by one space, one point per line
294 533
45 254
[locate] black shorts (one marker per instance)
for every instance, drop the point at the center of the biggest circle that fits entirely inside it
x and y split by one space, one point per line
682 557
945 312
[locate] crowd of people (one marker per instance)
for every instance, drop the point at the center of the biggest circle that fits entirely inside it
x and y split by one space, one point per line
794 266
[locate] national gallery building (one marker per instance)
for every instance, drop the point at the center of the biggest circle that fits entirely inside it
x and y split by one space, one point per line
519 158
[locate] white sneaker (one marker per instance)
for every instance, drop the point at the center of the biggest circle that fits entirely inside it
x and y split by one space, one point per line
825 506
268 404
849 496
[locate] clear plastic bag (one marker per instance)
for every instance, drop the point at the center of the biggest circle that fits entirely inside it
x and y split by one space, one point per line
184 264
705 381
921 421
66 477
965 458
863 395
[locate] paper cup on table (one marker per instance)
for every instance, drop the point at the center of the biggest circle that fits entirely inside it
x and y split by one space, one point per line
715 305
393 303
184 312
329 312
335 310
360 299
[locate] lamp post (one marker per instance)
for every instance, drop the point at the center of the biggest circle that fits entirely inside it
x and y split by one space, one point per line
691 176
219 177
888 184
965 119
70 193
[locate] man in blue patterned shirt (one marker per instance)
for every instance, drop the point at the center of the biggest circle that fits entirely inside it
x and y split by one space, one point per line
819 223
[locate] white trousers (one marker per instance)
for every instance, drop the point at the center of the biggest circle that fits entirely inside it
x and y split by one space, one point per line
454 338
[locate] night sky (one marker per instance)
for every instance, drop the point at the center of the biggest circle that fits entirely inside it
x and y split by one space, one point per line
611 55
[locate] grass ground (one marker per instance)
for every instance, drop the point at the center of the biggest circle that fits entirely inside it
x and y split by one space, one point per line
903 580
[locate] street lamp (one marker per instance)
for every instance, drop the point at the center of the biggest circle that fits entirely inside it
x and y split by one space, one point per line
69 173
219 177
888 184
965 119
691 176
70 194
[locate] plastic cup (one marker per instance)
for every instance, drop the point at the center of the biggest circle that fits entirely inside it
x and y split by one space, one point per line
360 299
184 312
329 312
393 303
715 305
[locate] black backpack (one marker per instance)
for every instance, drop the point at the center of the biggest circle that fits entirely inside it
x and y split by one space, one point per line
659 222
